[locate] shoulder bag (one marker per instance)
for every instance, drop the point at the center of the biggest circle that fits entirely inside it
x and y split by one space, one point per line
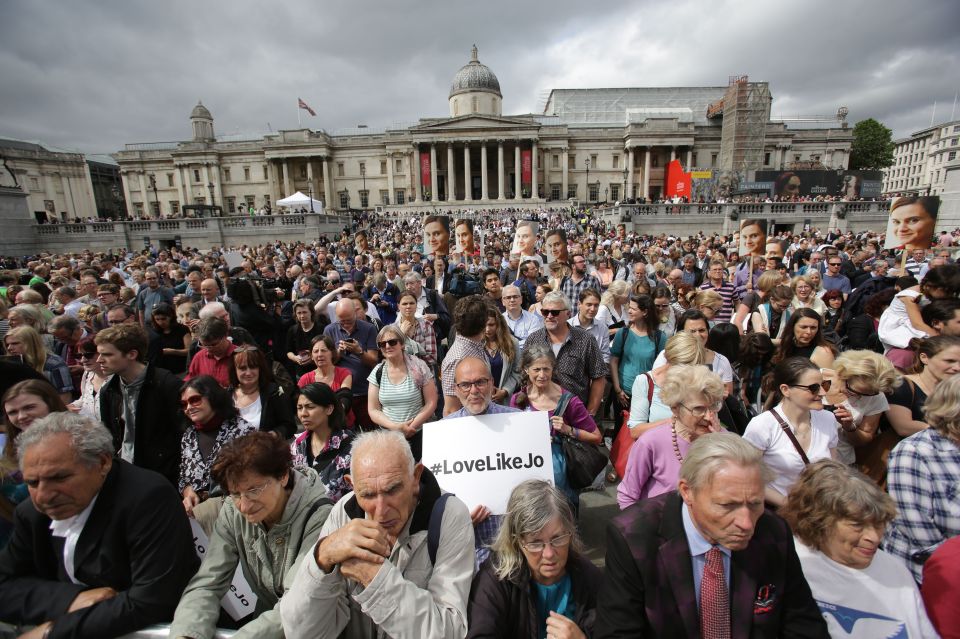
793 438
584 461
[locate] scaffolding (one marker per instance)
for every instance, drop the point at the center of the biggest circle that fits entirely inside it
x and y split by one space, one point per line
745 109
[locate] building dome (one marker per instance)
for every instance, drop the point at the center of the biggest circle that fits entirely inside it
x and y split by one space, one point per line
200 111
475 76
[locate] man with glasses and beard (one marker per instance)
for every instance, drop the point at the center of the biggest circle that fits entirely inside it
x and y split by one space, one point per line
833 279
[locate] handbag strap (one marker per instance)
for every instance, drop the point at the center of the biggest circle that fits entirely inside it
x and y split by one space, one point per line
793 438
562 404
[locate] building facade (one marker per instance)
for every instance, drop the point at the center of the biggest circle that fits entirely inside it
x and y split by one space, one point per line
56 182
590 145
920 160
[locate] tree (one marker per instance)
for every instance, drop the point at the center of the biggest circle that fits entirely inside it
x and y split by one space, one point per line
872 148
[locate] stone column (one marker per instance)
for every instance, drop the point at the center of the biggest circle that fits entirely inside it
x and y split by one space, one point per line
327 184
673 153
127 196
689 158
218 187
518 191
564 176
535 180
287 182
484 192
501 182
630 171
312 191
451 179
390 189
144 180
646 174
467 187
433 172
180 185
418 178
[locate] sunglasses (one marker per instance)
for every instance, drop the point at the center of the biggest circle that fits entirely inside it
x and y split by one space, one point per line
814 388
388 342
194 400
552 312
86 356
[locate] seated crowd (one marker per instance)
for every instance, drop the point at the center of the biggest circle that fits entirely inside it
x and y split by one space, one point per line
782 434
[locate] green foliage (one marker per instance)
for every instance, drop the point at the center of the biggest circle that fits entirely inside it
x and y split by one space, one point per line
872 147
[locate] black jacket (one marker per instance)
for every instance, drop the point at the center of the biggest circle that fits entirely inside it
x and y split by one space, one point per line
504 608
137 541
436 306
158 424
276 413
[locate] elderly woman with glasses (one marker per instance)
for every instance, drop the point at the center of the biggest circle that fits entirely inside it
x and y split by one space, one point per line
536 582
402 394
694 395
838 517
214 421
271 521
794 430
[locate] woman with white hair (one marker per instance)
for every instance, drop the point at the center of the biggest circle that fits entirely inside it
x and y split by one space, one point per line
613 306
536 582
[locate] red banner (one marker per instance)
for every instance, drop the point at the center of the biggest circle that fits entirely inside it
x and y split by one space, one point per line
526 166
676 182
425 172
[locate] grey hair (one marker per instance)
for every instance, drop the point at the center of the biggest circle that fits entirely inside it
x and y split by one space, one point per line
683 381
710 452
212 309
392 329
556 296
536 351
412 276
533 505
89 438
64 322
379 440
511 287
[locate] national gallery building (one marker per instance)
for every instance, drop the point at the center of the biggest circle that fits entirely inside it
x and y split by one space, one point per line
588 145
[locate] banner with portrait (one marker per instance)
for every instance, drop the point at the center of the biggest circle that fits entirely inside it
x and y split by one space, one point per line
753 237
526 166
555 246
467 239
424 172
436 235
912 222
525 241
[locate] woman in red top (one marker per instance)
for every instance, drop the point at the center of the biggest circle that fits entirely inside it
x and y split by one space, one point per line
325 355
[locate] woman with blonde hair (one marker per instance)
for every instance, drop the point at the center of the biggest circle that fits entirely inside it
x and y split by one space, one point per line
542 289
26 342
707 301
804 295
30 315
614 306
694 396
752 300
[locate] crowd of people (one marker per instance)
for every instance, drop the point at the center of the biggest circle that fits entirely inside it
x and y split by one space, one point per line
781 431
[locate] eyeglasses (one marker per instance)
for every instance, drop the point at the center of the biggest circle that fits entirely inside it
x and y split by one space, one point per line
194 400
700 411
833 263
479 383
560 541
551 311
250 495
850 391
814 389
388 342
662 305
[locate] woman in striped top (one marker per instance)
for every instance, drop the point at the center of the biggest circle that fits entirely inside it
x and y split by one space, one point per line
402 394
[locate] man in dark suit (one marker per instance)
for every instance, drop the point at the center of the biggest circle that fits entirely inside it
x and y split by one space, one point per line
706 560
102 548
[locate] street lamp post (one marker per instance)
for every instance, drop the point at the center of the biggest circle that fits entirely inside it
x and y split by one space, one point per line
363 174
310 193
156 200
623 194
210 190
586 164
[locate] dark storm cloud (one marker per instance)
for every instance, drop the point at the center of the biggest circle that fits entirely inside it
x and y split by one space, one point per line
95 76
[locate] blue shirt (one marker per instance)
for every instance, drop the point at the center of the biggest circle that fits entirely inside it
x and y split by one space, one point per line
698 552
492 409
365 333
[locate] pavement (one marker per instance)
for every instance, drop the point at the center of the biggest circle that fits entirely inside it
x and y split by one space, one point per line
597 507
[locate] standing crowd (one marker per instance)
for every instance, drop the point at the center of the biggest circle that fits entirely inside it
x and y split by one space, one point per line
781 430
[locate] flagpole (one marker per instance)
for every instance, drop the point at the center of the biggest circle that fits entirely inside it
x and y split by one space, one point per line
299 126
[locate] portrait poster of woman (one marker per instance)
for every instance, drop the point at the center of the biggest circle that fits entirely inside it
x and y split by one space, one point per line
466 237
753 238
912 222
436 235
525 241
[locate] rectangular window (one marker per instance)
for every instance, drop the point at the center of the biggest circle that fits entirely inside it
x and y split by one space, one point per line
555 191
250 200
266 200
384 196
339 169
796 157
614 192
231 205
713 160
594 193
138 209
363 168
953 142
616 161
226 174
654 159
951 156
556 161
34 184
196 176
766 159
400 195
383 167
169 179
344 199
571 191
593 161
303 171
246 174
174 207
266 173
398 166
155 207
364 199
571 162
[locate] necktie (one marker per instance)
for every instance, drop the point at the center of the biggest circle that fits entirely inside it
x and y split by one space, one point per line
714 601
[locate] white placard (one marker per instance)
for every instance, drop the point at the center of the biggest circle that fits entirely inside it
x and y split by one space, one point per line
481 459
240 600
233 259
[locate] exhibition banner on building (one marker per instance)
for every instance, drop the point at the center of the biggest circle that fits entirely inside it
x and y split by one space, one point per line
526 166
481 459
425 170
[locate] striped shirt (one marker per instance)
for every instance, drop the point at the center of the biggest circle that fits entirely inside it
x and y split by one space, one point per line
729 294
400 402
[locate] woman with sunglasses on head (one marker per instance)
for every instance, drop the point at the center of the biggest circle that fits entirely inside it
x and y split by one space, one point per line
92 380
402 394
794 430
214 421
270 522
260 400
325 443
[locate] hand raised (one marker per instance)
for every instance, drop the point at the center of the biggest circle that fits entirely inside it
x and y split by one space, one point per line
359 539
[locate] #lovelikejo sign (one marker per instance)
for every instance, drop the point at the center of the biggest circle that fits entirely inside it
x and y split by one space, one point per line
481 459
240 600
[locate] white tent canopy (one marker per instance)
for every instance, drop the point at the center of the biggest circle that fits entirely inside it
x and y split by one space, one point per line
298 200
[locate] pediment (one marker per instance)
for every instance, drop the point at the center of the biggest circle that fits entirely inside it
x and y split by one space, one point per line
467 122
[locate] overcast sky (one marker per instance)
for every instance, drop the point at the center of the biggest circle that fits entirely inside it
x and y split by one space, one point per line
96 75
